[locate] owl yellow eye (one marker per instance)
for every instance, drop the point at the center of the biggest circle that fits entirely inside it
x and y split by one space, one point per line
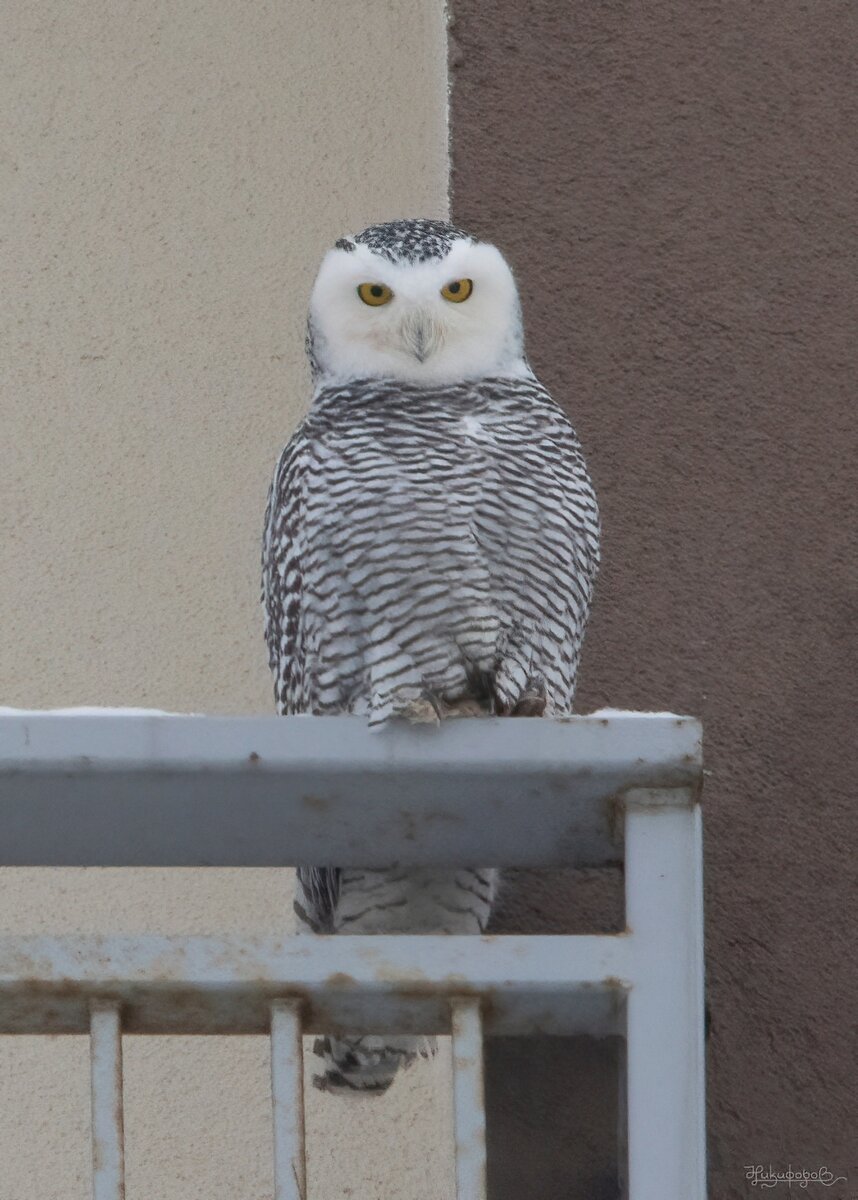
458 290
375 293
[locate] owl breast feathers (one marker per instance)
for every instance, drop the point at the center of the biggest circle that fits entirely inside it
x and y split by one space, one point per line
429 545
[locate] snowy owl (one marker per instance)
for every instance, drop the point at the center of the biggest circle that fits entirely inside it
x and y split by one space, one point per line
430 546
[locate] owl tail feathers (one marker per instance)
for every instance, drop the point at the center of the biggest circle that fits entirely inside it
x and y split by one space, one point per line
367 1064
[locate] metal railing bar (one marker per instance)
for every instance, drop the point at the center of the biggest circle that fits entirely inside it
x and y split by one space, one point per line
385 983
664 1030
469 1108
108 1149
287 1092
138 790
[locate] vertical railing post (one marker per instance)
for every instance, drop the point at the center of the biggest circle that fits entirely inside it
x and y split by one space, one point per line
469 1109
287 1091
108 1150
664 1026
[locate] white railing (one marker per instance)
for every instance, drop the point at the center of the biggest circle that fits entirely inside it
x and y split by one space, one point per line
140 790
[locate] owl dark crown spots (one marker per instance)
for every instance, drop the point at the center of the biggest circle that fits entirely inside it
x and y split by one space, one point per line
411 241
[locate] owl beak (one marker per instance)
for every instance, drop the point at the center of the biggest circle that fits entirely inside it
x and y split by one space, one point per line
421 348
420 335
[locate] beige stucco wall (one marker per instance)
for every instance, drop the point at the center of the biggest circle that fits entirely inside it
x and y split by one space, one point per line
169 176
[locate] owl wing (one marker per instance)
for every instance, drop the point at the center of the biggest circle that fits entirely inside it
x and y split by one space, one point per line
282 576
538 524
574 489
282 597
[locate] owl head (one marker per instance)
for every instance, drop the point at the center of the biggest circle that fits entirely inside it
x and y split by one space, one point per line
417 301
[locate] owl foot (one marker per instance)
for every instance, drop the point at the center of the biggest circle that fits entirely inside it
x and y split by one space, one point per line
531 704
420 711
465 708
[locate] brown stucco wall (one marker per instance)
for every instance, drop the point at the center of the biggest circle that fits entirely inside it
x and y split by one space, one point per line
676 186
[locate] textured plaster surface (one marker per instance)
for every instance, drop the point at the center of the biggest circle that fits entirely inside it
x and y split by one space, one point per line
676 185
170 175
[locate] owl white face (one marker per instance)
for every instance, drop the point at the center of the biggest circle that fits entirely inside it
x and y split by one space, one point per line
410 322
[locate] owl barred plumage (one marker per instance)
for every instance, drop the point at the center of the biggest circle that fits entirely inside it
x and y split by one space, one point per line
431 542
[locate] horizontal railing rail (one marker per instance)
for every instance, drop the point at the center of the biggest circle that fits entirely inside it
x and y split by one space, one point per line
379 984
156 790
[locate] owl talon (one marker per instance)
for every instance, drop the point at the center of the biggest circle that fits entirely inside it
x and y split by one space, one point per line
531 704
466 707
422 711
